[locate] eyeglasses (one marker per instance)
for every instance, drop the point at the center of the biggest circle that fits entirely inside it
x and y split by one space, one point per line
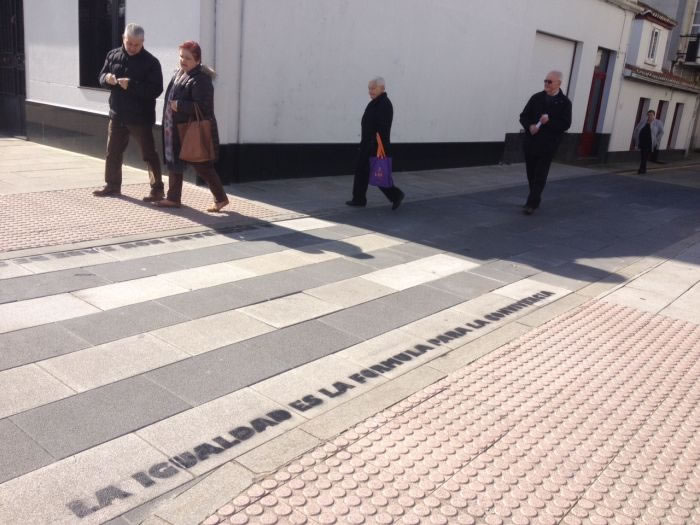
547 81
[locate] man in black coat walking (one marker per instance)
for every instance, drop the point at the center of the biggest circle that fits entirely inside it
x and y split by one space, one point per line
545 118
135 80
377 118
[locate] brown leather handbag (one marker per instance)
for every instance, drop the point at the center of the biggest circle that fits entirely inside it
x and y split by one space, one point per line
196 143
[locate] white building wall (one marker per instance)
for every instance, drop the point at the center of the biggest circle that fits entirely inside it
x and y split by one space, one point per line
51 56
296 72
52 53
457 73
630 94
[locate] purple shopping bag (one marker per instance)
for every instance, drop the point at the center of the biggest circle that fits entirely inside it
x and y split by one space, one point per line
380 167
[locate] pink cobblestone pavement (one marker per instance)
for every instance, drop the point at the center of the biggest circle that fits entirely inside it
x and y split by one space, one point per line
52 218
590 419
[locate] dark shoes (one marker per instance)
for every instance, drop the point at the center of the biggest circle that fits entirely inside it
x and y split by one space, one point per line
356 204
528 210
397 201
165 203
154 197
107 192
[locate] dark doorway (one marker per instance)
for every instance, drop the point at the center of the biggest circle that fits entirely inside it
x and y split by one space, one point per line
642 109
661 110
595 101
675 123
12 79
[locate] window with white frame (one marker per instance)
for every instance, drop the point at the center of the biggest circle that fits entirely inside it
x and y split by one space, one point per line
653 45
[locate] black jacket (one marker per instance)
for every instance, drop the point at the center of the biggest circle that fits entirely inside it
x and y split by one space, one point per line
377 118
194 87
558 108
137 103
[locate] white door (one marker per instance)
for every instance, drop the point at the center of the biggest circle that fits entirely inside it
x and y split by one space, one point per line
551 53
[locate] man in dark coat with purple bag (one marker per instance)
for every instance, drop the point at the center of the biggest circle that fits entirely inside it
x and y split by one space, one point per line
376 119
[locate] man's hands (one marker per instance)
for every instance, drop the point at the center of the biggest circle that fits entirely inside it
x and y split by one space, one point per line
173 105
535 128
112 80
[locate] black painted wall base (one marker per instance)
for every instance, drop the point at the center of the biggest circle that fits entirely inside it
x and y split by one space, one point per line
85 132
249 162
568 151
75 130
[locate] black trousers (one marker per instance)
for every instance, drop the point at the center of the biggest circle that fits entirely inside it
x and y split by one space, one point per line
644 153
361 181
654 157
537 168
117 140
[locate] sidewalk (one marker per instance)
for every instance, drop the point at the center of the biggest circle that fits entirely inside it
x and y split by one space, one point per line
302 362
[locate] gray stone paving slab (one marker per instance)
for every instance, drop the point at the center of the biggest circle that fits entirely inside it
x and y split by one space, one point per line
332 271
465 285
212 300
35 344
18 453
217 254
32 286
277 284
548 257
208 496
505 271
333 422
370 319
117 521
420 300
143 514
296 345
278 451
383 258
217 373
122 322
574 276
550 311
417 249
341 231
135 268
82 421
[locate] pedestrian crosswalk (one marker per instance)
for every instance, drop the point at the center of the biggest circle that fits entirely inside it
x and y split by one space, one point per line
127 392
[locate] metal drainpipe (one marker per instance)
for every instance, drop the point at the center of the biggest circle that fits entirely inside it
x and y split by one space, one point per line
240 74
213 55
619 91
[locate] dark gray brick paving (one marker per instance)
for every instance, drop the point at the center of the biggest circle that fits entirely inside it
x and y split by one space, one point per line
134 319
465 285
35 344
43 284
219 372
79 422
18 453
135 268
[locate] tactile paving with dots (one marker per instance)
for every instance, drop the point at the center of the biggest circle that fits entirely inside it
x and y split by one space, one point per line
51 218
590 419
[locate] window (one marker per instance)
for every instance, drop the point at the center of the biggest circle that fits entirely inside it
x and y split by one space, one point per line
653 44
100 26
